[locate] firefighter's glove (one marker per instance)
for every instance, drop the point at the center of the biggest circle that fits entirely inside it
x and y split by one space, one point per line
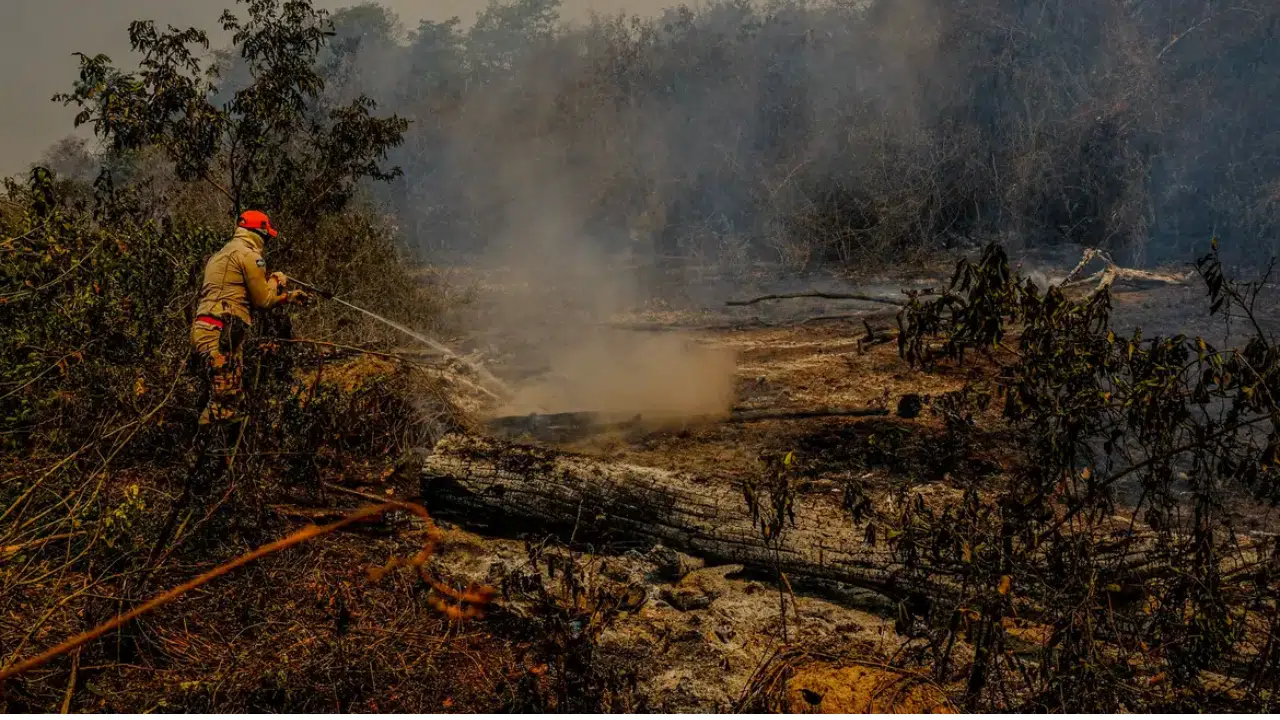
298 297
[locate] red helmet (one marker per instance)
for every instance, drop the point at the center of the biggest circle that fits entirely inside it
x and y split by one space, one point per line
256 220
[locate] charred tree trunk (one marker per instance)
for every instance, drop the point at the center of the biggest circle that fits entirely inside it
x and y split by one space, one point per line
483 478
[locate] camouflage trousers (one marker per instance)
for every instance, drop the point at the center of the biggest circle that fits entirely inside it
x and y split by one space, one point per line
219 353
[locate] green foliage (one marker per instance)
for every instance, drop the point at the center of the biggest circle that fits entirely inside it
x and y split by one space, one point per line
973 310
93 296
504 33
272 144
107 476
96 280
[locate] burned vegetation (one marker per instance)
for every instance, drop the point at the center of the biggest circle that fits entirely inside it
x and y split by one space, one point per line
985 492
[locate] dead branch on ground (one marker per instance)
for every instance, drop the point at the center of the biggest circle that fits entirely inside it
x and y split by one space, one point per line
818 295
744 416
1112 273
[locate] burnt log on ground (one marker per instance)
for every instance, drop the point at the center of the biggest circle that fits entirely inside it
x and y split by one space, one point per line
484 479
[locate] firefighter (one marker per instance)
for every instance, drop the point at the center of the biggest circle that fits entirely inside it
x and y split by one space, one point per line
235 283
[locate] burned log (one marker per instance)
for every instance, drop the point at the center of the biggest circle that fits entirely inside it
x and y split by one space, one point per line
746 416
486 479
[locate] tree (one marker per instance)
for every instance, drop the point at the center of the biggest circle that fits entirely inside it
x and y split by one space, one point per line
274 143
365 55
505 31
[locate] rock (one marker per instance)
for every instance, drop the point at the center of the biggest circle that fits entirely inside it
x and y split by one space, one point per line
672 565
699 588
827 688
686 599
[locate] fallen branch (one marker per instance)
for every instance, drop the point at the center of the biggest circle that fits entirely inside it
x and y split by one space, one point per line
743 416
1112 273
819 295
71 685
839 317
569 426
10 549
876 337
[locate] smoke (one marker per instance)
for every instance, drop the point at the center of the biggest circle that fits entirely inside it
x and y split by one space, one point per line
809 132
559 290
38 40
570 154
556 291
794 132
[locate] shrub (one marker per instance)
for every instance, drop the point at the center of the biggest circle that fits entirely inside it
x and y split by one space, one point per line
1118 543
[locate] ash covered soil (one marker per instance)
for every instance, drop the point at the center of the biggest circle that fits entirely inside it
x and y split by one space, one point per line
710 638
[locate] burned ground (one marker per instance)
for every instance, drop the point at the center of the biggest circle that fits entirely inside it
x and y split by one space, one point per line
309 630
590 613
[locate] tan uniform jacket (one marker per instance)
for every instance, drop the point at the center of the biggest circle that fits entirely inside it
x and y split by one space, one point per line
235 279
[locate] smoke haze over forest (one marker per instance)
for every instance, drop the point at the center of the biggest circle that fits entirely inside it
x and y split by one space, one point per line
794 131
39 37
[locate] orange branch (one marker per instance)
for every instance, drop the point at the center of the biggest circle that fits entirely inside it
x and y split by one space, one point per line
297 538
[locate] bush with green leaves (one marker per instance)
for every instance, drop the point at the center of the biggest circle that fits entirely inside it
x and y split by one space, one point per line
92 308
96 280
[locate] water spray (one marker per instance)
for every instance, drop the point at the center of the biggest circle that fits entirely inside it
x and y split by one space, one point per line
480 371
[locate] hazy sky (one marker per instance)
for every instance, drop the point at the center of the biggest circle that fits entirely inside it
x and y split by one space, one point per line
38 37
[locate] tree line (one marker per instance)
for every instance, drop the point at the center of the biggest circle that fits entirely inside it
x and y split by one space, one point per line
810 132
